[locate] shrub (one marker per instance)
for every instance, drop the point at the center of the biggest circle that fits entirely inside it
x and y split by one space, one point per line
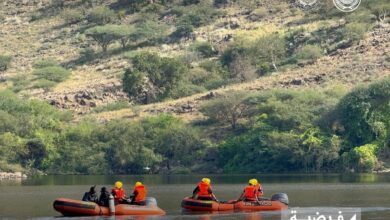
270 49
309 52
204 48
186 90
34 16
150 31
258 14
190 2
101 15
19 83
220 3
365 157
198 16
183 31
52 73
43 84
242 70
73 16
86 55
5 62
45 63
354 31
112 107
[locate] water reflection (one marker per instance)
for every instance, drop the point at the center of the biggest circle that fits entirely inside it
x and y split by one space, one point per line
192 179
33 198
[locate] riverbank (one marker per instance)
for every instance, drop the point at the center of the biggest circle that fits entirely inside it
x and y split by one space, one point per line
10 176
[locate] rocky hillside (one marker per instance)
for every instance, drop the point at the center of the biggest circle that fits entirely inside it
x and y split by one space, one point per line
34 30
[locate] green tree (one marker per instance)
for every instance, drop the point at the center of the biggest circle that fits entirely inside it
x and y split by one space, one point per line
228 108
163 74
103 35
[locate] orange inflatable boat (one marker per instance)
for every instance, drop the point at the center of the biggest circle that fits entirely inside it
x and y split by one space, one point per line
189 203
278 202
69 207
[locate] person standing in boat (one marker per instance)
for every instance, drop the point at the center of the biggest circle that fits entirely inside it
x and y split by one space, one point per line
119 193
252 192
203 191
91 196
139 194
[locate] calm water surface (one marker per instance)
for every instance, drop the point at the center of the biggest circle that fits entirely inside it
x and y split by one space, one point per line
33 198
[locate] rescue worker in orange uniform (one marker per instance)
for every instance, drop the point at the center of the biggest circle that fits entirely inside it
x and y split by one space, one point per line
119 193
139 194
203 191
252 192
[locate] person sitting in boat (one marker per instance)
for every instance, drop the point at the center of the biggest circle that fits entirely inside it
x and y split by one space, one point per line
104 197
91 196
119 193
139 194
259 188
203 191
252 192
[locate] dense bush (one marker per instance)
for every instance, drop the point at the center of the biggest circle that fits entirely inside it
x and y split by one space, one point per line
34 135
5 62
285 134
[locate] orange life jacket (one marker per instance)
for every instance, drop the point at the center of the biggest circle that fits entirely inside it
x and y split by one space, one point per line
203 190
141 196
259 190
250 193
119 194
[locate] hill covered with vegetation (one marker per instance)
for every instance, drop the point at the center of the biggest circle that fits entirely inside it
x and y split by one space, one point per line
183 86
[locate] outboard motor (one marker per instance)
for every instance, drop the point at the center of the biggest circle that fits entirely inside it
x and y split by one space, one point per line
150 201
281 197
111 205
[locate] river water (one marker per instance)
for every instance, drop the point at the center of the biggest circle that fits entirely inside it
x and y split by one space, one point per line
33 197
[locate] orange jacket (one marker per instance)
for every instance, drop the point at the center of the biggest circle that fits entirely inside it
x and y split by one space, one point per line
119 194
140 193
204 190
250 193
